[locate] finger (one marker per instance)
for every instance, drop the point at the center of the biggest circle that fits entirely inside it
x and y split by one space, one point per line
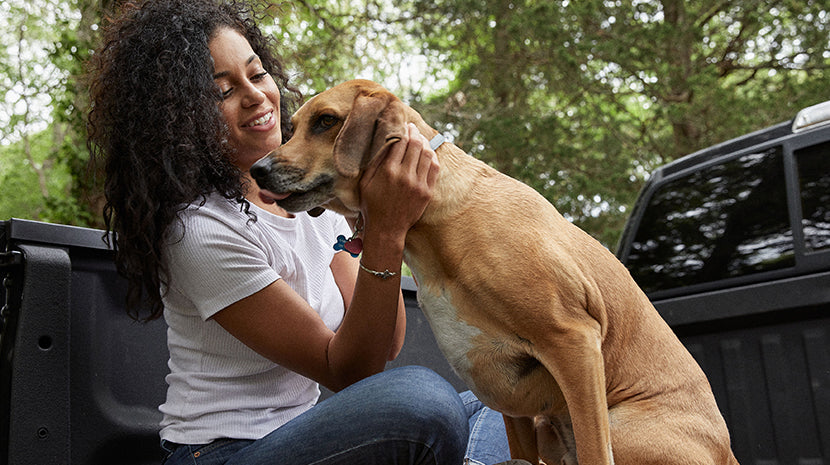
414 147
428 166
397 151
432 175
391 153
425 157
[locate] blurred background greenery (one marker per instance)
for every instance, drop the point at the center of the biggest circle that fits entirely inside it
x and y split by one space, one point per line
579 99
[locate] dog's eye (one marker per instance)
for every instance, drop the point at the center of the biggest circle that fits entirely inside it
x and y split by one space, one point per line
325 122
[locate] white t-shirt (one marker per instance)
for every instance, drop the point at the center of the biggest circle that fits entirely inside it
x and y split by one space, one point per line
217 386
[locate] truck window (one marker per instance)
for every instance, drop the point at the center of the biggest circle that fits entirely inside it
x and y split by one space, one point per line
814 178
722 221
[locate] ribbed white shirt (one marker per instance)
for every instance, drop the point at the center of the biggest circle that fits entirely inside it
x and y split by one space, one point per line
217 386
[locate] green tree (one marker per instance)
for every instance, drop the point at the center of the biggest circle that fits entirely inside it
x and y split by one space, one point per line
21 187
326 42
84 201
43 155
582 99
26 82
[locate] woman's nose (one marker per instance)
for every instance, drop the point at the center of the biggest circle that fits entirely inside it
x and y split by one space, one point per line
253 96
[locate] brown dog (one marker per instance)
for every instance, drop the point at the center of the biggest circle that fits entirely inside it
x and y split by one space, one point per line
541 321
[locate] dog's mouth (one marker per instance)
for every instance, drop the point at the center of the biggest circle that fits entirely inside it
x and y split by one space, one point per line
271 197
298 197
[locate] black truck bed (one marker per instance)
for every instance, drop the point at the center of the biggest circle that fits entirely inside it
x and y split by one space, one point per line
81 381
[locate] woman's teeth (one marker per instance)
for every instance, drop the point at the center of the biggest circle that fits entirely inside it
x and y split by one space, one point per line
259 121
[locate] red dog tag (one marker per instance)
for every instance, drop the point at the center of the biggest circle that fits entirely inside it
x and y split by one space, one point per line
354 246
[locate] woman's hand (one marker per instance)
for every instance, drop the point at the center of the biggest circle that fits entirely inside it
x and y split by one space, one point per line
396 188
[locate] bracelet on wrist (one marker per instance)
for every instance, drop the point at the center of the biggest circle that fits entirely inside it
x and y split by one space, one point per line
384 275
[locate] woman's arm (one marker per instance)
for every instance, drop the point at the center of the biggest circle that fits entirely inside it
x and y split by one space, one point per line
345 269
277 323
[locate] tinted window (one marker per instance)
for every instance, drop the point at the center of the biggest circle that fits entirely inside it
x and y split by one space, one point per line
814 178
719 222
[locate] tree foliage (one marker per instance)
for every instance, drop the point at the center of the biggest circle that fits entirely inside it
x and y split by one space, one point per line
44 48
579 99
582 99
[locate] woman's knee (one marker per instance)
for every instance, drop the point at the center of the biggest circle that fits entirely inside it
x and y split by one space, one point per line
406 415
425 391
437 406
428 405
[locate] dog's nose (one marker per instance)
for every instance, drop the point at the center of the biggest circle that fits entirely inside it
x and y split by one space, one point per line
261 169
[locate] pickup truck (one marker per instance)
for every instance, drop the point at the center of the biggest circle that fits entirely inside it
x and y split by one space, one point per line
731 243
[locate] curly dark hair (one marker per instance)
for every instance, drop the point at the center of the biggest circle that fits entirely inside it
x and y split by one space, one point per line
156 125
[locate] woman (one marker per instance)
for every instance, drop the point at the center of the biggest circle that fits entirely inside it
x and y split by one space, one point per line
186 96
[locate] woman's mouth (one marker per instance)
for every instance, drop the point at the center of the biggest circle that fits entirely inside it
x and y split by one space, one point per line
264 119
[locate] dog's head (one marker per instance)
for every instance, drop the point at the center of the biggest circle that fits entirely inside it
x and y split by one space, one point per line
336 134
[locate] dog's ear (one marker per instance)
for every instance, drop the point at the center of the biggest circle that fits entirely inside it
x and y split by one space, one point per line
375 123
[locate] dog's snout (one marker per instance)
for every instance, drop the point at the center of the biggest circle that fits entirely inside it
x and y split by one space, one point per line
262 168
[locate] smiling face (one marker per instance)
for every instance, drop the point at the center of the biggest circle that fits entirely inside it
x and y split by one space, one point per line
251 98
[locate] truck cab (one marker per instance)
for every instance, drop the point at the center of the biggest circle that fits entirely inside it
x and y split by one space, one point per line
732 245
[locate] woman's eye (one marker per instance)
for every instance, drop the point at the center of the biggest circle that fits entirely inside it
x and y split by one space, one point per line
259 76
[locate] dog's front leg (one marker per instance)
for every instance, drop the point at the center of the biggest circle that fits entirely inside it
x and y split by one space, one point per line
574 358
555 440
521 437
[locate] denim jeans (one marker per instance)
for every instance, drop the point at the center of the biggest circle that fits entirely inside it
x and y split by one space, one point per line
407 415
487 443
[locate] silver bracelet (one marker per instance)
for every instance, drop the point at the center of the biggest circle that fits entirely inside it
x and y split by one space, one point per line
385 274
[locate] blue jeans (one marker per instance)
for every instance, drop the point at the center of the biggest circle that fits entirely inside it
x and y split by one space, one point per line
406 415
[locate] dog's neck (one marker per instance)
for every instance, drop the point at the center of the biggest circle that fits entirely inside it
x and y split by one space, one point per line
456 179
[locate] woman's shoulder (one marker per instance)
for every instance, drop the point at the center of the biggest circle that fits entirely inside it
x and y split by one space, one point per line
214 208
210 213
214 204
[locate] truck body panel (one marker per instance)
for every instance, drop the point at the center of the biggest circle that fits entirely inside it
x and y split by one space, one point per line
731 246
81 381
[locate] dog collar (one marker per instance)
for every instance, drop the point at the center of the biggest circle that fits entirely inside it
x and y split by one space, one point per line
437 141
